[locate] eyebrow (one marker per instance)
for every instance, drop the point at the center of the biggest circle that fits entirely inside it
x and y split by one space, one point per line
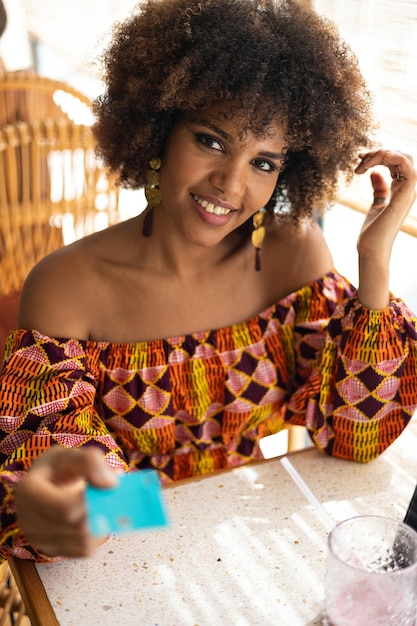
279 156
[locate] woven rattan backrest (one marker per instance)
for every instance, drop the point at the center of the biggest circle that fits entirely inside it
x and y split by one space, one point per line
26 96
52 191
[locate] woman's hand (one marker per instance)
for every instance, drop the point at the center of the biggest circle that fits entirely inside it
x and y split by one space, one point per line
50 500
383 221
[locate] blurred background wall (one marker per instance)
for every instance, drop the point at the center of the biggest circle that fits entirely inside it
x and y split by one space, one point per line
383 34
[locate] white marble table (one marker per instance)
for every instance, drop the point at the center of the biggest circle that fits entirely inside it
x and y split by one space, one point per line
244 548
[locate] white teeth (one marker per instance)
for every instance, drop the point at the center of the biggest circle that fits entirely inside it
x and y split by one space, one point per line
212 208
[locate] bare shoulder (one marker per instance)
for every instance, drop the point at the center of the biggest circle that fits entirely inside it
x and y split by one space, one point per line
59 294
301 250
313 249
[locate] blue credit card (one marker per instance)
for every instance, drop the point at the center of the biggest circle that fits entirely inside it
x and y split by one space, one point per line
136 503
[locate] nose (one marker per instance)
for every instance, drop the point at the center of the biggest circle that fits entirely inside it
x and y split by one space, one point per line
229 177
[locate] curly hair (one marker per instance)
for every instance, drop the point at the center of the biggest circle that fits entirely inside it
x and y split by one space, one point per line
281 62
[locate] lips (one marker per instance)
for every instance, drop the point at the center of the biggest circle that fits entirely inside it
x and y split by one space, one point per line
210 207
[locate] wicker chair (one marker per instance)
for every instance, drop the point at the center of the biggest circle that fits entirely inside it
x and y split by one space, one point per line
52 188
12 609
52 191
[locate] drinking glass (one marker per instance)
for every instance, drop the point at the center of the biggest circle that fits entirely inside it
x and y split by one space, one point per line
371 573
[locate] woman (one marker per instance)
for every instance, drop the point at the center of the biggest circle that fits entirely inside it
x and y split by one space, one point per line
177 339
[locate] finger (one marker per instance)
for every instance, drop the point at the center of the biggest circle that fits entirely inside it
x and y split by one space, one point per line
69 545
61 466
381 189
71 542
41 504
54 518
399 164
53 489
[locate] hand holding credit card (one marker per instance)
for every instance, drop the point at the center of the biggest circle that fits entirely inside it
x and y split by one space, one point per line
136 503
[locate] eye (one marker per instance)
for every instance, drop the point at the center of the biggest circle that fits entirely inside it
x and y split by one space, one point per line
265 166
210 142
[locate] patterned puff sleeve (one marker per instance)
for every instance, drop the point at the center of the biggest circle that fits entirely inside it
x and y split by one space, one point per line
61 395
363 391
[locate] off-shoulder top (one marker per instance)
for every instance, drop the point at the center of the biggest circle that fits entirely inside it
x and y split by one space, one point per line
192 404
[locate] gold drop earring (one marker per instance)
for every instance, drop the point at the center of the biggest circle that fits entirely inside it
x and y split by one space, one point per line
152 194
258 235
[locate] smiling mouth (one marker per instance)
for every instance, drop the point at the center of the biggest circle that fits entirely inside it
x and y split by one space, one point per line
211 208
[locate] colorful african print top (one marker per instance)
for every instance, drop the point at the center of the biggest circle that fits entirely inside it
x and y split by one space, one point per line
193 404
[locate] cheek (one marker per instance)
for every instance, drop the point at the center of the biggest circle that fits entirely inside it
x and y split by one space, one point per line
262 192
173 186
177 171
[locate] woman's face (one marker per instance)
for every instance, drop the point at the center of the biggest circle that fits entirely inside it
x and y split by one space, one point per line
214 177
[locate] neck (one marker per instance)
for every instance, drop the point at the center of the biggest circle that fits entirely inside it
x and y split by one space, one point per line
167 252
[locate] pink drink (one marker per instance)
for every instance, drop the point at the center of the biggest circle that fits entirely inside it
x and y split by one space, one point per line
371 573
376 602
